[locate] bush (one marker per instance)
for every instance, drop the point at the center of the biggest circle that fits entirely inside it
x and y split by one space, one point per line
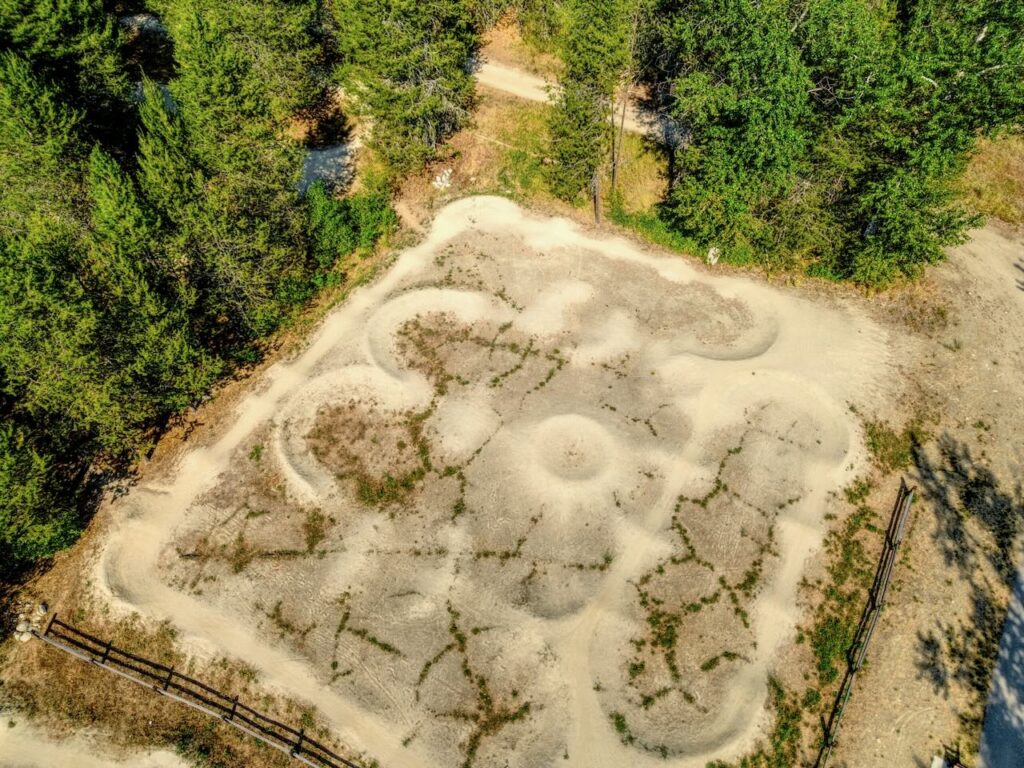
337 228
34 522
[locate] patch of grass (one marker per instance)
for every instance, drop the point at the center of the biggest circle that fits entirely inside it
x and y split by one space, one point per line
388 489
714 661
850 572
890 450
523 135
782 749
622 727
858 490
649 226
256 453
241 554
315 528
993 183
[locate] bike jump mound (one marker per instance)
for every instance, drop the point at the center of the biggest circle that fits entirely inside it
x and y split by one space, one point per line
532 498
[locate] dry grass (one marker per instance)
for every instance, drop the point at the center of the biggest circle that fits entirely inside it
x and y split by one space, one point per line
504 44
994 182
642 175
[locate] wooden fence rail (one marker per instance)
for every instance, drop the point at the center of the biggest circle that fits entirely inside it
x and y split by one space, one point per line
869 618
165 681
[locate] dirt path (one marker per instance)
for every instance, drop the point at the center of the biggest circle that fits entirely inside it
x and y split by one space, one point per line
24 746
523 85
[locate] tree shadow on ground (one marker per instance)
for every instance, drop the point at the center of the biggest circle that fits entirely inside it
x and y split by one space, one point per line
1003 739
977 525
1020 280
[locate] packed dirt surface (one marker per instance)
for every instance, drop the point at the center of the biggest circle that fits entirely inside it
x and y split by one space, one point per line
532 498
22 746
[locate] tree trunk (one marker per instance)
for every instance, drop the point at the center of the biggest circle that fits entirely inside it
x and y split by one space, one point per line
617 145
617 141
615 155
595 185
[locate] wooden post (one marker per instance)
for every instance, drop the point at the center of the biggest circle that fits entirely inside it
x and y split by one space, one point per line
167 682
106 652
595 184
298 745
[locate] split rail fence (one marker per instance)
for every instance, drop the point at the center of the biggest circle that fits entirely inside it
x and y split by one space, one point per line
869 619
167 682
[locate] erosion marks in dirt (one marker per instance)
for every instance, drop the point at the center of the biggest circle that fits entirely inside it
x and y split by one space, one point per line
530 498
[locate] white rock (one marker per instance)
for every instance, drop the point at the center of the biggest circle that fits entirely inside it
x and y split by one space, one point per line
443 180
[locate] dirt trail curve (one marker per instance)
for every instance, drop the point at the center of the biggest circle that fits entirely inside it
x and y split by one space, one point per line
523 85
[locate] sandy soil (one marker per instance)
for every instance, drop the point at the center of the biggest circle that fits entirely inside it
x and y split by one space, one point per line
476 521
23 746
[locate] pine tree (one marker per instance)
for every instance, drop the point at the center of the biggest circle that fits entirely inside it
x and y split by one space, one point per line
738 83
144 310
238 227
407 65
75 44
596 53
40 151
35 521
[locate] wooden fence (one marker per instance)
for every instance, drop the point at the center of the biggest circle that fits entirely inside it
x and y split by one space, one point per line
165 681
869 619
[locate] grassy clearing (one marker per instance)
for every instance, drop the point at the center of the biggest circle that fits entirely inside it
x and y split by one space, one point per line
507 153
994 181
649 226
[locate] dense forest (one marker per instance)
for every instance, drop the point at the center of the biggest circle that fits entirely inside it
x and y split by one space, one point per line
153 229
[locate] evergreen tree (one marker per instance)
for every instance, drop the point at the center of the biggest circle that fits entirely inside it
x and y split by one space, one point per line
75 44
279 41
407 64
35 520
145 326
39 148
596 53
215 166
742 89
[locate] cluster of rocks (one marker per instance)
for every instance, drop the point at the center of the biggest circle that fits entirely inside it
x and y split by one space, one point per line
443 180
30 620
